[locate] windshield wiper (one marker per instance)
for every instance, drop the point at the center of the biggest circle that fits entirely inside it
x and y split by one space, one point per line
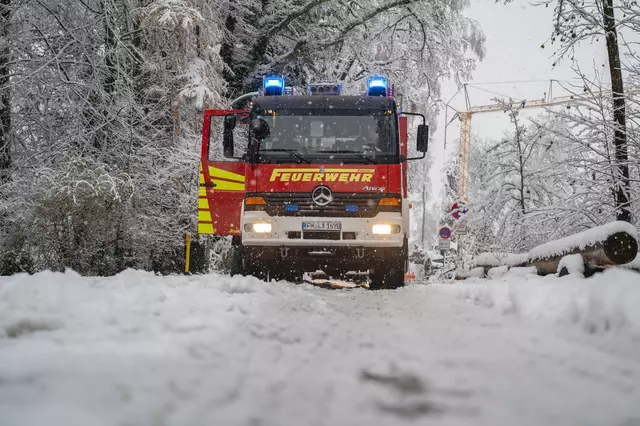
356 153
291 152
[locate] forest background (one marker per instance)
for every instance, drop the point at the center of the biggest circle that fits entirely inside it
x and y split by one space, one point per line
101 108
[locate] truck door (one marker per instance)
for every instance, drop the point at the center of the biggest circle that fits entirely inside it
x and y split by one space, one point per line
222 180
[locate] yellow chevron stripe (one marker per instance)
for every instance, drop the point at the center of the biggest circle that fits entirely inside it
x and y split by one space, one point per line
202 192
215 172
223 185
202 179
204 216
205 228
203 203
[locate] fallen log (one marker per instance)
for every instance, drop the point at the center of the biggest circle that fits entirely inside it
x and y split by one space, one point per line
601 247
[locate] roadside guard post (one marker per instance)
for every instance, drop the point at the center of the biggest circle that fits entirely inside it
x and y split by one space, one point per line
187 252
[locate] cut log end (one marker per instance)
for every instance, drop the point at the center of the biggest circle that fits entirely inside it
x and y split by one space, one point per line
621 248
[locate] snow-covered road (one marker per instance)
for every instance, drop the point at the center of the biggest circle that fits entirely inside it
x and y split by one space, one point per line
137 349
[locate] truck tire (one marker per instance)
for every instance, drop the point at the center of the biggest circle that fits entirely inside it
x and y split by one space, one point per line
257 269
389 276
287 273
242 264
237 266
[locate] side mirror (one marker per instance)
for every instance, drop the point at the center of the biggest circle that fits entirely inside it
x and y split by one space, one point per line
227 137
259 128
423 138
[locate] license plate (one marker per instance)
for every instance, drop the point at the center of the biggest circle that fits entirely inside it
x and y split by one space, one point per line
321 226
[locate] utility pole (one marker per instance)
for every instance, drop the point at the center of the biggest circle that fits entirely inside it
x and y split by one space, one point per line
5 98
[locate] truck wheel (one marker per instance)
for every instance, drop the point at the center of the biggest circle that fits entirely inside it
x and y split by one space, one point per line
237 267
257 269
388 276
294 275
287 273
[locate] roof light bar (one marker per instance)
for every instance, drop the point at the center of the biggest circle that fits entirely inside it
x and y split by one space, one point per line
377 85
273 85
325 89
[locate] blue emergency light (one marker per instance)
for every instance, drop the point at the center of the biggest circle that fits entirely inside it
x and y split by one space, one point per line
377 85
273 85
292 207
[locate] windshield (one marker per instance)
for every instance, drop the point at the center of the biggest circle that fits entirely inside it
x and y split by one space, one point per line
348 138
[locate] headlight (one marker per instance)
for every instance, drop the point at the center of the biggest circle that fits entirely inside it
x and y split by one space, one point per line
385 229
261 228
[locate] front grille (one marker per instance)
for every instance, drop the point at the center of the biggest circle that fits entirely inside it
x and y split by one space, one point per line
343 205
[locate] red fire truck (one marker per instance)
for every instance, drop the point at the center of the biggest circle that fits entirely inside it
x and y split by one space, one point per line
308 182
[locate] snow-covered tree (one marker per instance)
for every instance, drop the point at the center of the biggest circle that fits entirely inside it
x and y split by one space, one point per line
588 21
101 106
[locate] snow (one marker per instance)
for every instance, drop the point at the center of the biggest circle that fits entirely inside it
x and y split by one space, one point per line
490 259
574 264
523 271
581 240
142 349
498 259
634 264
604 302
477 272
559 247
497 272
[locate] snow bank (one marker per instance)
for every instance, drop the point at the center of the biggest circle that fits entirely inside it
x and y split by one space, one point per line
146 350
581 240
497 272
477 272
604 302
51 301
574 263
523 271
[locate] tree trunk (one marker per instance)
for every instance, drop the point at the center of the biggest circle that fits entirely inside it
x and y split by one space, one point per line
523 206
102 99
619 248
621 187
226 54
5 98
110 46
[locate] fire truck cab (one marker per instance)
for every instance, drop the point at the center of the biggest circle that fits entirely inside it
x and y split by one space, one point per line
308 182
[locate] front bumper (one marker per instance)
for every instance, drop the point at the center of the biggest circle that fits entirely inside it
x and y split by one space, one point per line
329 259
361 227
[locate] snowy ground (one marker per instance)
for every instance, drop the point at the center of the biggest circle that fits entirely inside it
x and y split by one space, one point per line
137 349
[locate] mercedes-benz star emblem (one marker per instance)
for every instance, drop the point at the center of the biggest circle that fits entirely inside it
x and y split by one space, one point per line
321 196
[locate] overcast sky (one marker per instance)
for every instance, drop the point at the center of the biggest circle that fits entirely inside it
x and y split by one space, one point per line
514 34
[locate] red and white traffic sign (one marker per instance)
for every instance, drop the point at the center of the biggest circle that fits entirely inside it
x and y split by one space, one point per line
445 232
458 209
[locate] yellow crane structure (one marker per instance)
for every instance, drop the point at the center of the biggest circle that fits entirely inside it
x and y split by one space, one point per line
465 127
